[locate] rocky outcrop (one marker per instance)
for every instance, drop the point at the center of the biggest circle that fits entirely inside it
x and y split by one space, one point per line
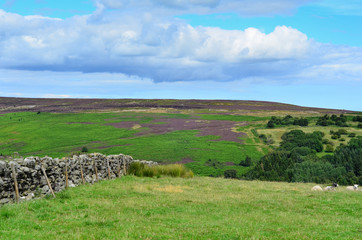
60 173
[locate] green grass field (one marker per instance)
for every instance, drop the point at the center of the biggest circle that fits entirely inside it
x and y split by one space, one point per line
176 208
62 134
58 135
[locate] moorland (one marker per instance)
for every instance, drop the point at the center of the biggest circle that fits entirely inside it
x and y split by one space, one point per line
233 139
208 136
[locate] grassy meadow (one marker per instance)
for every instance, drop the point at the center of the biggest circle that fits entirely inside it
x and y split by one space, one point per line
178 208
62 134
173 208
59 135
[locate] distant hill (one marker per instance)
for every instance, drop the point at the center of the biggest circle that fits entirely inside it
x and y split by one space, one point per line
10 104
209 136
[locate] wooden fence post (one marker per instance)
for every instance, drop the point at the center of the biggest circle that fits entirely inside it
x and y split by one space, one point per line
46 178
17 196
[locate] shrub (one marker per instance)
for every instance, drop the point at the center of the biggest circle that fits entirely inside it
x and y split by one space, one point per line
329 148
266 139
262 136
246 162
335 136
271 124
231 173
84 149
326 120
326 141
357 119
342 132
352 135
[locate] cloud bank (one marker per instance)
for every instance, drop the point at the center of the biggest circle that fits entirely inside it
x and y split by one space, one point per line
137 39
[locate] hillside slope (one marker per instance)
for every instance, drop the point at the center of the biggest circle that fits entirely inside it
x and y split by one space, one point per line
209 136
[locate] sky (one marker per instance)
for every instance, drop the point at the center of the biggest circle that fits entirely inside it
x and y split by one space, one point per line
303 52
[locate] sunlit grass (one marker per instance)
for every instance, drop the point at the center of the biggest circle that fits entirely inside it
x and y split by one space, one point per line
173 170
179 208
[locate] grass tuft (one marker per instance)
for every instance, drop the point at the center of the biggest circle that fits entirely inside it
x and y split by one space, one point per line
5 213
172 170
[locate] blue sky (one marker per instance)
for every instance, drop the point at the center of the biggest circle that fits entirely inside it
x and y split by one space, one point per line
302 52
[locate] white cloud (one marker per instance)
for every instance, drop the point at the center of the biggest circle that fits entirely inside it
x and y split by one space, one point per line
164 49
145 46
51 95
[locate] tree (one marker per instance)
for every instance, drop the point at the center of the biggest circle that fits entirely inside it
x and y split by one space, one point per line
246 162
84 149
271 124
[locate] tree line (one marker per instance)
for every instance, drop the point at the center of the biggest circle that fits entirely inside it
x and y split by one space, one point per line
295 160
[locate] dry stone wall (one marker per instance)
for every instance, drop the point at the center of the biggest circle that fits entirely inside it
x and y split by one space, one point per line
37 176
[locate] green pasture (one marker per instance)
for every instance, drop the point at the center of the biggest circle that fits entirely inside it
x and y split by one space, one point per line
63 134
177 208
60 135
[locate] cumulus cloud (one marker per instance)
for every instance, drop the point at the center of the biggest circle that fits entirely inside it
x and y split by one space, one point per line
145 46
161 48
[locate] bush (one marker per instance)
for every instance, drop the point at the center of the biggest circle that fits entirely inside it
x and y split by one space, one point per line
335 136
266 139
357 119
286 121
329 148
231 173
84 149
352 135
262 137
326 120
342 132
246 162
271 124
